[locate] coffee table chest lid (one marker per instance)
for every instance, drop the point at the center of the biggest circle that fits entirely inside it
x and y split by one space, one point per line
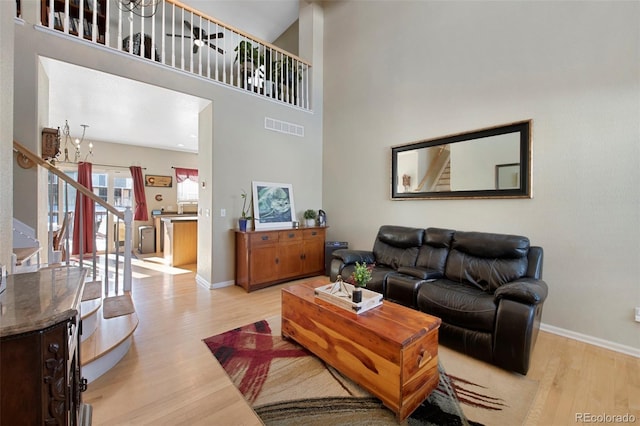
393 322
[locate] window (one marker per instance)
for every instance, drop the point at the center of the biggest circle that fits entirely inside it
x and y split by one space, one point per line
113 186
187 191
187 185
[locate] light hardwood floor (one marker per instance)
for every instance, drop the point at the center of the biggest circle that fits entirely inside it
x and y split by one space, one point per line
169 377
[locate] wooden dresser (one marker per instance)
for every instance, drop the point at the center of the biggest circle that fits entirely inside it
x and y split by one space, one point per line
40 378
272 256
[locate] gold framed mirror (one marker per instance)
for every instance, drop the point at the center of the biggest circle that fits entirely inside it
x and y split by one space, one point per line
493 162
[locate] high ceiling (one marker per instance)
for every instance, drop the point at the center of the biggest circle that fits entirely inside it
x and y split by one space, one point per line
110 111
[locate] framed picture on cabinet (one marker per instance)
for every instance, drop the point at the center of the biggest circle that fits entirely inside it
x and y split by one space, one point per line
273 205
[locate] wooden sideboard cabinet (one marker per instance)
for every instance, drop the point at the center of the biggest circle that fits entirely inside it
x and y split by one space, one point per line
41 381
269 257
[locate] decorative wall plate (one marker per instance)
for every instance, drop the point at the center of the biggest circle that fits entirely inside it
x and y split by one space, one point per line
24 162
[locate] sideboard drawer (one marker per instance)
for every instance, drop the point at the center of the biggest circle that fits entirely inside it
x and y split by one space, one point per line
290 235
264 238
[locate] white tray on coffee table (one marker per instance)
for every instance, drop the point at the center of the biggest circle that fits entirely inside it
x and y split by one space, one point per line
370 299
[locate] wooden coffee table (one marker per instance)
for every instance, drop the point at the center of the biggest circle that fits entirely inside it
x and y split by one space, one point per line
391 350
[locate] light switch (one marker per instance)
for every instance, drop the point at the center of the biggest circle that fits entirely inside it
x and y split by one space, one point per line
223 212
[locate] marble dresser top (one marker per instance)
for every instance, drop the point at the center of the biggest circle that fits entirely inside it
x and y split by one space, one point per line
38 300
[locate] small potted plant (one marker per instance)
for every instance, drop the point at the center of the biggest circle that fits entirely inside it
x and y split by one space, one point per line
285 76
310 217
360 277
250 59
246 212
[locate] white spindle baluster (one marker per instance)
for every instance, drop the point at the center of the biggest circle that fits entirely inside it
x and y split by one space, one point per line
162 31
200 49
52 16
81 22
107 13
153 55
119 28
95 31
173 38
67 18
191 45
182 41
143 45
131 31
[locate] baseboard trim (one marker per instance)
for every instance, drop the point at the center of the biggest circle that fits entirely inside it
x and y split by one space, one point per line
607 344
211 286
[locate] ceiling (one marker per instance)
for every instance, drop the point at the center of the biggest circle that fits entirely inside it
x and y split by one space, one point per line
111 110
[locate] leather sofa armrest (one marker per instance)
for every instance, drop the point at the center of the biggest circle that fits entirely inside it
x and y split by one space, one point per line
421 273
525 290
349 256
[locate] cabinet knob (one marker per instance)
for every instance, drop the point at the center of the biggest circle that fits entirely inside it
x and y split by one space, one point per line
314 233
291 235
265 237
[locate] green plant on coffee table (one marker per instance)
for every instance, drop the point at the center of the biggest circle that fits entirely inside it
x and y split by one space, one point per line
362 274
246 210
310 214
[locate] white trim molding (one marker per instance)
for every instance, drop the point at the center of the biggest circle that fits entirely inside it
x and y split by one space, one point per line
607 344
211 286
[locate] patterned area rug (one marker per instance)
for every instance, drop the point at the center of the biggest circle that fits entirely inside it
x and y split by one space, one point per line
286 385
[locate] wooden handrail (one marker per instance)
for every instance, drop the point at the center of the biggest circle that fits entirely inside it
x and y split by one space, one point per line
22 150
235 30
431 170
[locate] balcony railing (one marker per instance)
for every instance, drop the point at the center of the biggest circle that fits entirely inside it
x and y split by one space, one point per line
175 35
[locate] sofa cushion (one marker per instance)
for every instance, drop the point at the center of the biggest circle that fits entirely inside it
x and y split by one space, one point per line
485 260
462 305
400 236
434 251
397 246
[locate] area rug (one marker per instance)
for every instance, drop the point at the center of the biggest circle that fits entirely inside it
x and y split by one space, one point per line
116 306
286 385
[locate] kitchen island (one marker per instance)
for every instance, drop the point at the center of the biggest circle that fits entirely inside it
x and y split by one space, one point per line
180 239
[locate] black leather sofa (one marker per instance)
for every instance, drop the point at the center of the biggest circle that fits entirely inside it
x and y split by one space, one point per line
487 288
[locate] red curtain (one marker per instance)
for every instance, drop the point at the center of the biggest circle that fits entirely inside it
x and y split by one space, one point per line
138 191
84 214
184 174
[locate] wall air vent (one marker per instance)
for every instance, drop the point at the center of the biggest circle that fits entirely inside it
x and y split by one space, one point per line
283 127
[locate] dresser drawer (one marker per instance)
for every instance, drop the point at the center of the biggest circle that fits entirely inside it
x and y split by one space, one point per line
264 238
290 235
312 234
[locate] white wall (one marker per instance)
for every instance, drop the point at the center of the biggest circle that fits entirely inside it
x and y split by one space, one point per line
397 72
7 13
243 150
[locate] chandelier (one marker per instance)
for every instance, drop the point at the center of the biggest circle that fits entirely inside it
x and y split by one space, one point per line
138 6
77 143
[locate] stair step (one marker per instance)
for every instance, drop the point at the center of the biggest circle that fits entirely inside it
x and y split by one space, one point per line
105 347
89 310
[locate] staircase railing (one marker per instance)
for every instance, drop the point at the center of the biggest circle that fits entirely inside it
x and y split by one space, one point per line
126 217
173 34
434 170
